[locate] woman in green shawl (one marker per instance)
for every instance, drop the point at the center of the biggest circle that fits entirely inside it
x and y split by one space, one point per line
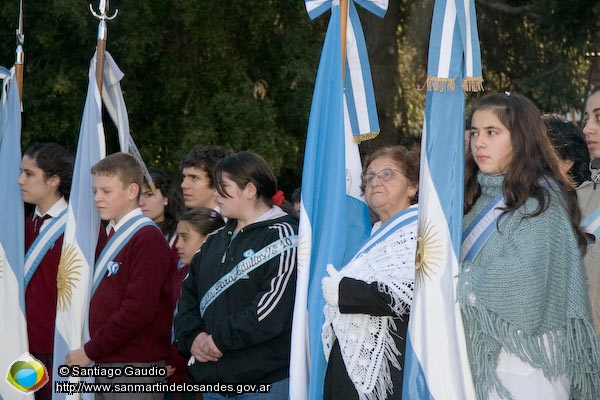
522 286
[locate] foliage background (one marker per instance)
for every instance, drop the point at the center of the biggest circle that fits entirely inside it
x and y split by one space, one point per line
240 72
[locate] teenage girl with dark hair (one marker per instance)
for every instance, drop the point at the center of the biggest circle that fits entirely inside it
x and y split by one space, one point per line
192 230
46 171
235 311
522 286
164 206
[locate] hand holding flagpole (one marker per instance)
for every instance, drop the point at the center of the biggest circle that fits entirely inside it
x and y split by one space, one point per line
20 55
101 40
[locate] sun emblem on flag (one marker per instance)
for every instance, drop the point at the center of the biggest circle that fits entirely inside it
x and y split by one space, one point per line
428 250
68 275
303 252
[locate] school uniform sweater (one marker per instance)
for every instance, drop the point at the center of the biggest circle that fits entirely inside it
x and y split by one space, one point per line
250 321
41 296
131 311
41 293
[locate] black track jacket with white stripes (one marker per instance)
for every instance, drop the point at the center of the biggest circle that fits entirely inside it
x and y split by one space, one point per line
251 319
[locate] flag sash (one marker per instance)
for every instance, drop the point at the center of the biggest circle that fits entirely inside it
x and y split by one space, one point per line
115 244
244 267
396 222
40 246
482 227
591 223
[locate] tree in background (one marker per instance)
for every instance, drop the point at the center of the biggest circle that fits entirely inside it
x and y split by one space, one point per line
240 72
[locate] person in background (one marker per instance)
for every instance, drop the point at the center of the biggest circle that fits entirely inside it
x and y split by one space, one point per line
131 305
296 199
521 285
196 167
192 230
45 180
234 315
569 142
368 301
164 206
589 201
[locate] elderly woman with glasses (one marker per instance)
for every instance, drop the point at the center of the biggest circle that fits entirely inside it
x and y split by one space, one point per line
368 301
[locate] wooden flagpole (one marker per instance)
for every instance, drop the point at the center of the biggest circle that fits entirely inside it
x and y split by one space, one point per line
101 39
343 30
20 54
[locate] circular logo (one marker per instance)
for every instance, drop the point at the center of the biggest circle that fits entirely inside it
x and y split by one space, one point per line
27 374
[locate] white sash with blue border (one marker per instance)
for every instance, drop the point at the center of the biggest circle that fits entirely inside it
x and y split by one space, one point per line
482 227
246 266
398 221
40 246
591 223
116 243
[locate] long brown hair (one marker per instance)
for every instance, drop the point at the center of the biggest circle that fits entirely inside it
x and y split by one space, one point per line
533 164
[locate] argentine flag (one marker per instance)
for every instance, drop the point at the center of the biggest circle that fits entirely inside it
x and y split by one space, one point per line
81 236
436 364
83 218
13 328
334 218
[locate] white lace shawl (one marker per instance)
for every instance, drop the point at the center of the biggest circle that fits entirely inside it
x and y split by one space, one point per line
366 342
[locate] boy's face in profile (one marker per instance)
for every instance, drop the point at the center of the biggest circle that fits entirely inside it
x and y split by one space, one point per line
113 199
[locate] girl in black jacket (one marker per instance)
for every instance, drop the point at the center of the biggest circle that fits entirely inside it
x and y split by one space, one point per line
235 311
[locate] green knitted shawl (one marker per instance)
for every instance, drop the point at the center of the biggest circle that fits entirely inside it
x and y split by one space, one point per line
526 292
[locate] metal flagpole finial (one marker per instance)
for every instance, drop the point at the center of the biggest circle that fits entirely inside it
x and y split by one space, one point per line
103 7
20 34
19 53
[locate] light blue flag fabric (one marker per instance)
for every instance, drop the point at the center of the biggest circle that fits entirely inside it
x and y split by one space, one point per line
436 364
13 328
81 235
334 218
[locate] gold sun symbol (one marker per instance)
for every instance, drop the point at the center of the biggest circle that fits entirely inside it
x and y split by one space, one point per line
68 275
303 251
428 251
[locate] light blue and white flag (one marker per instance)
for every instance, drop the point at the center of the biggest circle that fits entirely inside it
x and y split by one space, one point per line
75 270
83 221
334 218
436 364
114 103
13 328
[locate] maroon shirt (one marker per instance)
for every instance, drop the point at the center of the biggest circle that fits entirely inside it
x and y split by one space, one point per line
131 311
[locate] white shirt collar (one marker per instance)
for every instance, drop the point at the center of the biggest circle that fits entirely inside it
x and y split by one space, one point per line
55 210
133 213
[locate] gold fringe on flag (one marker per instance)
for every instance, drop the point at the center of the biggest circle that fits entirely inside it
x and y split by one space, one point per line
473 84
440 84
367 136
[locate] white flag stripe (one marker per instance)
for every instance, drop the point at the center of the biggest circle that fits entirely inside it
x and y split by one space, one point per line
447 38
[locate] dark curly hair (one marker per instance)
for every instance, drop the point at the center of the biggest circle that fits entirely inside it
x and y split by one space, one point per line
205 157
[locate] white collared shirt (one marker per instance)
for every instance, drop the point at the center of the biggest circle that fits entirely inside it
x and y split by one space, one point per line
53 211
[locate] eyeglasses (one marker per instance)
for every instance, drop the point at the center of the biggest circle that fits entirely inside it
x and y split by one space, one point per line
384 176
